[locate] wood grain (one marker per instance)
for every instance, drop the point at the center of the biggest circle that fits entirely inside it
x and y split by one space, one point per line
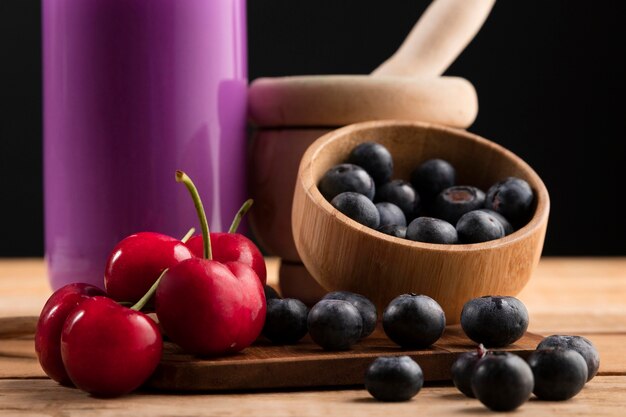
603 396
560 288
342 254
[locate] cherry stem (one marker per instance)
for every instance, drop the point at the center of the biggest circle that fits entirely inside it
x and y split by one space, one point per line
206 237
144 300
242 212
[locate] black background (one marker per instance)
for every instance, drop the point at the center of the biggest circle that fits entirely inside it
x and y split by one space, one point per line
550 77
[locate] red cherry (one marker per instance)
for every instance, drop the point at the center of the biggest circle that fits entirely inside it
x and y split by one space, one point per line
48 334
210 308
109 350
138 260
232 247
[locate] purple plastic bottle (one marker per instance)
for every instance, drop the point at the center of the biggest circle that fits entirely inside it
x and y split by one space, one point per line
133 90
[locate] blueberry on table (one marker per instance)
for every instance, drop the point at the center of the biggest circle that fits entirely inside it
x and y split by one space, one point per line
285 320
478 226
366 308
270 292
414 321
502 381
394 378
513 198
453 202
559 373
390 214
335 324
346 177
463 369
431 230
358 207
373 158
494 321
508 227
432 177
402 194
393 230
581 345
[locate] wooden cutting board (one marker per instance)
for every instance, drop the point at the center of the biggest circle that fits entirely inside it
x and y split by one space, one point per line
306 365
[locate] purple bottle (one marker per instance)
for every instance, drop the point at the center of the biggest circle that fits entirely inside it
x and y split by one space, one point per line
133 90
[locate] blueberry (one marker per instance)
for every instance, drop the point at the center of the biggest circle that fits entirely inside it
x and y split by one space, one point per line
463 369
346 177
402 194
559 373
335 324
285 320
431 230
453 202
502 381
390 214
581 345
513 198
508 228
358 207
366 308
432 177
394 378
414 321
494 321
270 293
375 159
393 230
478 226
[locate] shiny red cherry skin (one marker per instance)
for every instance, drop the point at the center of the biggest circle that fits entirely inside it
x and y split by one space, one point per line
137 261
232 247
109 350
211 308
48 334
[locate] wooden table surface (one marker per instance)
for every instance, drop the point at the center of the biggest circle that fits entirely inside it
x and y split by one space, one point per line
585 296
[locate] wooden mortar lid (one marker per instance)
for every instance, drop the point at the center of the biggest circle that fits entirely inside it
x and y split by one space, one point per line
337 100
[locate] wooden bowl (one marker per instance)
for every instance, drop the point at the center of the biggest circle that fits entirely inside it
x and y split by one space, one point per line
342 254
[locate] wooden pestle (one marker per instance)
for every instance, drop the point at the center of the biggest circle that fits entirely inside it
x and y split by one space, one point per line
406 86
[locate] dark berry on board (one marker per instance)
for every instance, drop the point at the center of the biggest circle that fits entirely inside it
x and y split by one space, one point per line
402 194
494 321
581 345
373 158
394 378
393 230
432 177
513 198
346 177
358 207
453 202
478 226
431 230
390 214
502 381
414 321
270 292
366 308
335 324
463 369
285 320
508 227
559 373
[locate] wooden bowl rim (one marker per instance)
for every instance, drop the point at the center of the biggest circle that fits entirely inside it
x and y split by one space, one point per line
310 186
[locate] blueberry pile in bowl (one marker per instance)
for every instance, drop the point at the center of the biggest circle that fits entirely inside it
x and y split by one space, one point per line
342 254
433 207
